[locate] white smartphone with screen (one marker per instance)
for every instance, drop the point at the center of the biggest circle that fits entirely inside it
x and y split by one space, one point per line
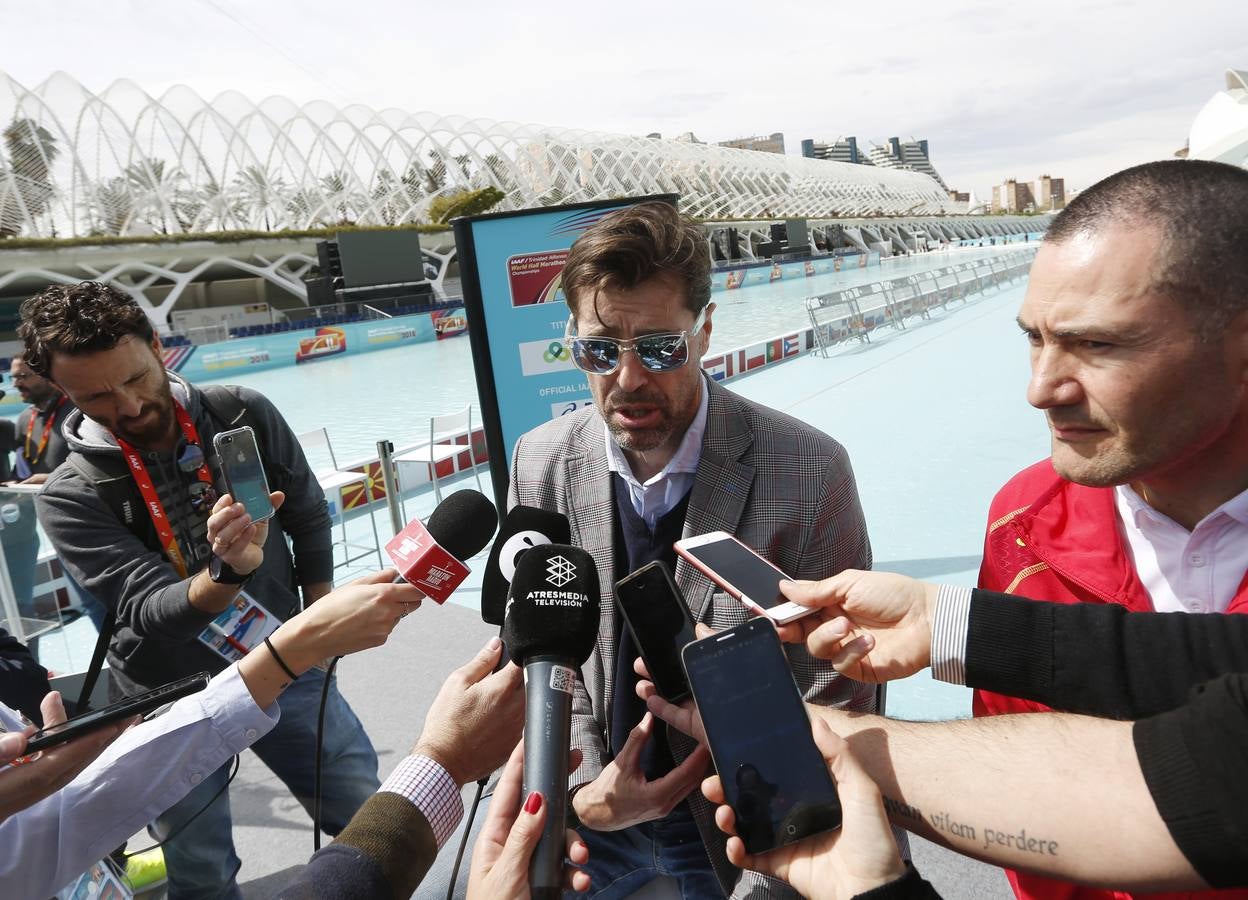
742 573
244 471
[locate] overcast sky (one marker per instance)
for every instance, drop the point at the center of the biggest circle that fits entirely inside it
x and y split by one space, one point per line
1073 88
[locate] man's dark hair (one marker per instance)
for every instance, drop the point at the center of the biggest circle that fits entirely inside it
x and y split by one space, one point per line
634 244
1200 209
74 319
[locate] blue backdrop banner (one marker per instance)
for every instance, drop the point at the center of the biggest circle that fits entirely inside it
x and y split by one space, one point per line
510 266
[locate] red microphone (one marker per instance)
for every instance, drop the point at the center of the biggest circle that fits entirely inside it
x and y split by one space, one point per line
430 558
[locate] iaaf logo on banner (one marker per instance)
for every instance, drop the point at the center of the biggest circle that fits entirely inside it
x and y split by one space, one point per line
540 357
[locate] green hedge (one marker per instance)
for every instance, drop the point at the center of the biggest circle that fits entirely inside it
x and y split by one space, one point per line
215 237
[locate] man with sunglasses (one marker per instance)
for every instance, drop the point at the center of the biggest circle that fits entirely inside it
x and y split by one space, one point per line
666 453
128 515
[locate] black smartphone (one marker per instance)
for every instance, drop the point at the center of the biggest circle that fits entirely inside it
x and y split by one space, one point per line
658 619
775 779
244 471
138 705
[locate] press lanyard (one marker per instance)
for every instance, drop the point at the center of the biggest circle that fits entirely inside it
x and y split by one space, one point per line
47 430
151 498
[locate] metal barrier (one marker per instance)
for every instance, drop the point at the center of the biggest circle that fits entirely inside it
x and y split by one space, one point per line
853 313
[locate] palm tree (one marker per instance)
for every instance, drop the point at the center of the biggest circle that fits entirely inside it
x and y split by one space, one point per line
207 207
26 188
341 196
500 172
113 202
388 197
156 187
306 208
260 191
435 174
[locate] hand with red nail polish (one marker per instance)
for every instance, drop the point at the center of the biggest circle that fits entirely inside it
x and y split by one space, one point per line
500 860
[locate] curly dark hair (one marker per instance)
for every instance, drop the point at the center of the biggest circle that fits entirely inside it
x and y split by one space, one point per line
1200 208
74 319
634 244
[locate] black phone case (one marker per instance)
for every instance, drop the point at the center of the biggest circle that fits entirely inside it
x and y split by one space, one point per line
139 705
756 842
678 596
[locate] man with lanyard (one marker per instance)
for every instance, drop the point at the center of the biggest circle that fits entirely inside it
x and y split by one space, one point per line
40 449
127 513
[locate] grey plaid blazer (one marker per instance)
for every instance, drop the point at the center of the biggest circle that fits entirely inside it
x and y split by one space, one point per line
782 487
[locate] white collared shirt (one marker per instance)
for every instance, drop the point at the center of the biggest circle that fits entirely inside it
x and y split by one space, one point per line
1187 571
662 492
139 776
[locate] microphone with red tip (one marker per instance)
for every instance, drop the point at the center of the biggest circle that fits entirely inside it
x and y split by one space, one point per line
431 557
550 629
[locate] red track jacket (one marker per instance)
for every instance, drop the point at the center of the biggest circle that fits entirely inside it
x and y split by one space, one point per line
1052 539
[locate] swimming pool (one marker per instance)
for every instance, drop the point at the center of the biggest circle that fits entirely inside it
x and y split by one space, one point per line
390 394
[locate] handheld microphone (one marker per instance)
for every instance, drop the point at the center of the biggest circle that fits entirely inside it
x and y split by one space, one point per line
551 625
523 528
430 557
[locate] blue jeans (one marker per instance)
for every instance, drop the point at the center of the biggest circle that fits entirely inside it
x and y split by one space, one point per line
93 609
621 862
200 859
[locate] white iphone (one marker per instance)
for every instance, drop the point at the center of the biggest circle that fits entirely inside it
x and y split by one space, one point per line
743 573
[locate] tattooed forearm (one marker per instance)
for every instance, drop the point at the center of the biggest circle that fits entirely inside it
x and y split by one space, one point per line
945 823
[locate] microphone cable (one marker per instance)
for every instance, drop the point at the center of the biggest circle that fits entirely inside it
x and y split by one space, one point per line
463 840
320 740
237 761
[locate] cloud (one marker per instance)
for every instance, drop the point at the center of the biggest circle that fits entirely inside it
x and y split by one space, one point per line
1075 87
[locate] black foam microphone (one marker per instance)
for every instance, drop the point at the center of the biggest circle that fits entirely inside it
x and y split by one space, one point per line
551 625
431 557
523 528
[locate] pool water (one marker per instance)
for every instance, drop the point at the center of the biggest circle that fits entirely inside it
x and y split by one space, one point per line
390 394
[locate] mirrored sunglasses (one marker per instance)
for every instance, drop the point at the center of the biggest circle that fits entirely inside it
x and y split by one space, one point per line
656 352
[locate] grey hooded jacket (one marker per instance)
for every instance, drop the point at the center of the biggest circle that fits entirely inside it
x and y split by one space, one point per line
156 636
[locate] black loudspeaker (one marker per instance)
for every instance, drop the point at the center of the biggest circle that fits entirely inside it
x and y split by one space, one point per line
779 233
734 244
319 291
330 261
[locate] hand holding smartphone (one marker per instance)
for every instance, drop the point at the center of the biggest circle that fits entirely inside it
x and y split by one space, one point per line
743 573
658 619
243 470
138 705
773 775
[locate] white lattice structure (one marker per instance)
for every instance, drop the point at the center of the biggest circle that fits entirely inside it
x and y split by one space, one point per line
122 162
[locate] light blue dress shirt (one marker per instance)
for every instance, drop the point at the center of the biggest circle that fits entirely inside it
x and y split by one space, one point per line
140 775
661 492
